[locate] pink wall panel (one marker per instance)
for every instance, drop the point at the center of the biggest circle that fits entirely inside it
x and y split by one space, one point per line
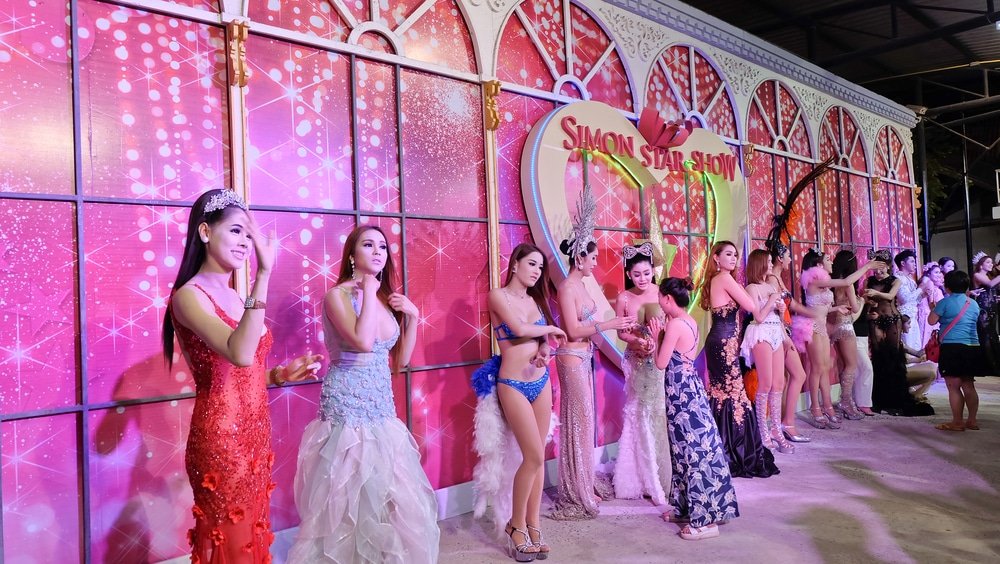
444 156
609 396
519 62
140 495
292 408
299 126
307 16
41 504
703 93
883 221
35 95
860 222
443 407
448 280
132 256
38 304
760 192
545 18
153 106
439 37
377 131
517 116
307 266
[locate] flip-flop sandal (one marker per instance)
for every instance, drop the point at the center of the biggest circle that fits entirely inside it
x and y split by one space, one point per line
949 427
972 427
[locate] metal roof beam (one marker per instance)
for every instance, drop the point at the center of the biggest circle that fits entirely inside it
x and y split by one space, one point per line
903 42
808 19
916 12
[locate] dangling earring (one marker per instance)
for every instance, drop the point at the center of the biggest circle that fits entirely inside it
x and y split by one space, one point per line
353 272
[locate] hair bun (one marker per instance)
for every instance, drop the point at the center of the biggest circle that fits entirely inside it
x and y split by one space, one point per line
688 284
564 247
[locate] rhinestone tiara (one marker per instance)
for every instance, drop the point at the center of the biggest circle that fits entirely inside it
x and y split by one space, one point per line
223 200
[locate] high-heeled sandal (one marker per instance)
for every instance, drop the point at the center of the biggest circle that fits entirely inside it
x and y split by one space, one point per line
795 437
818 420
850 412
832 420
543 549
524 552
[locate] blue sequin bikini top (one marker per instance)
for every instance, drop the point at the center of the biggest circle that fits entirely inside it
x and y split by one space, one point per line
505 333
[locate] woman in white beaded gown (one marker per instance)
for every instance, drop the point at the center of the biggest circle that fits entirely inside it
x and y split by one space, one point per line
360 490
643 464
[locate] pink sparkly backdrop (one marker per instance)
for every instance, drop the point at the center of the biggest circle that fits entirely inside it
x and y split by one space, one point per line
86 269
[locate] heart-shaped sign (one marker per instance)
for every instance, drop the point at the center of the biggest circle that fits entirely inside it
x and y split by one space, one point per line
597 127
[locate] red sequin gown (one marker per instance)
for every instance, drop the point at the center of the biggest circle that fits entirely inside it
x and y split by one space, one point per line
229 455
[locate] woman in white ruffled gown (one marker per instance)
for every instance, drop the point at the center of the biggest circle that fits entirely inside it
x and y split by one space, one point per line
642 468
359 488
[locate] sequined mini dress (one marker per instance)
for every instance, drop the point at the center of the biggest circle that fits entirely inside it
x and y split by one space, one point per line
360 490
228 457
732 410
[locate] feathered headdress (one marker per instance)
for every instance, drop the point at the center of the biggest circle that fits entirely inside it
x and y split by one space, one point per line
779 238
583 224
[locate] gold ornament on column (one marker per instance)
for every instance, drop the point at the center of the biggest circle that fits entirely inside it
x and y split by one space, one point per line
236 33
876 195
748 167
917 190
491 89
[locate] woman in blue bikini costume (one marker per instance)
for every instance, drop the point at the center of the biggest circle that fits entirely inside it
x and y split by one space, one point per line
519 381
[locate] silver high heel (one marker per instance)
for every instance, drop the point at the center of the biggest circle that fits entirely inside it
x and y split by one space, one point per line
819 421
795 438
782 444
520 552
833 421
543 549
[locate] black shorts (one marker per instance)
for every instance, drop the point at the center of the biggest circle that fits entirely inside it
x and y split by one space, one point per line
961 361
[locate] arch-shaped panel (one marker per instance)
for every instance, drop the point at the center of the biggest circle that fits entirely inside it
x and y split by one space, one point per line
685 83
891 160
840 136
777 120
539 50
432 31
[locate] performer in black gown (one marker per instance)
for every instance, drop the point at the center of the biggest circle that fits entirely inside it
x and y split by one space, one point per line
733 412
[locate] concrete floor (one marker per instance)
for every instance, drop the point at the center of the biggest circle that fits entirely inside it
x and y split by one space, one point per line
883 489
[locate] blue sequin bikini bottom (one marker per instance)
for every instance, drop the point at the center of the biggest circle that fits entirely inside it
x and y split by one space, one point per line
530 390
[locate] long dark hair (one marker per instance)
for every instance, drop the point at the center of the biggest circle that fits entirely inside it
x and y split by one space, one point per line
388 274
194 256
812 258
710 273
845 262
540 291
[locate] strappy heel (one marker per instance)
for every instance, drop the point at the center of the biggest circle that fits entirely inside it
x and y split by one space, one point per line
817 419
543 549
520 552
831 416
774 407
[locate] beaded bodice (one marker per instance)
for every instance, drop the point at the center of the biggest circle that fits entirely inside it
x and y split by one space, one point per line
357 389
822 298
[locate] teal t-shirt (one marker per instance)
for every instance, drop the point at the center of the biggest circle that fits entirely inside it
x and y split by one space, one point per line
964 332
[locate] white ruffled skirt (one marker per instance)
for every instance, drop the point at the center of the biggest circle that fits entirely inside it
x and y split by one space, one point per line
363 497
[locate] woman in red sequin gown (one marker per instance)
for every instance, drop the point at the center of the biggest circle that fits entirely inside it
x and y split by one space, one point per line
224 340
